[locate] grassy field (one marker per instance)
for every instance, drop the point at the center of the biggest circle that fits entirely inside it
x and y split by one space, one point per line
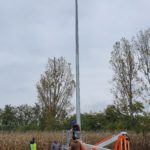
20 141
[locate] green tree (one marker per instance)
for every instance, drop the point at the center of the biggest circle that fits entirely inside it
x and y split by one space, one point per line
55 90
112 113
9 121
142 49
125 79
28 117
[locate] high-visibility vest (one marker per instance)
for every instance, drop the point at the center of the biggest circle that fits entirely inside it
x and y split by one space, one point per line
33 146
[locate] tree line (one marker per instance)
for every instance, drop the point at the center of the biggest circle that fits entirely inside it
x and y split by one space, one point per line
25 118
130 62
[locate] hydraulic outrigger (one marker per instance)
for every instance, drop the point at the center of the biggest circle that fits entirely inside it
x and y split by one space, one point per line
120 141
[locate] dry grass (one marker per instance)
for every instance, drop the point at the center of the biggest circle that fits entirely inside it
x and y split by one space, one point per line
140 142
20 141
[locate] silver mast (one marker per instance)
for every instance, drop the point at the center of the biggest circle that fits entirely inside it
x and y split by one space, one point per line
77 67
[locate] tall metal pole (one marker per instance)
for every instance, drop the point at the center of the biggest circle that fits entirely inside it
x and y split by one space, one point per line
77 67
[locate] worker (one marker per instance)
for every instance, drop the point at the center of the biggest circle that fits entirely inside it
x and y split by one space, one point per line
33 144
75 143
75 130
55 146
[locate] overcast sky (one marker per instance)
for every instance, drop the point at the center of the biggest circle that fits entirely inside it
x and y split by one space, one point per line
33 30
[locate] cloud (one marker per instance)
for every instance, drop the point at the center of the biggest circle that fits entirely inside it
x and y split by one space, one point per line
33 30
